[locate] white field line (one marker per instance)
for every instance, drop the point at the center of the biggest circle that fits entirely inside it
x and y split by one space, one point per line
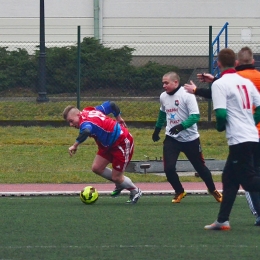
128 246
73 193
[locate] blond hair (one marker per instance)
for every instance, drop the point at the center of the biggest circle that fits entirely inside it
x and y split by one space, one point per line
67 110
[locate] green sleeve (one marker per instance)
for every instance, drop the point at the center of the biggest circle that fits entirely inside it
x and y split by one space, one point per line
191 120
257 115
221 116
161 119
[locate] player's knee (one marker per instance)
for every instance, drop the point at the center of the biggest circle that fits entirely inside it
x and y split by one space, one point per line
97 169
117 178
203 172
249 185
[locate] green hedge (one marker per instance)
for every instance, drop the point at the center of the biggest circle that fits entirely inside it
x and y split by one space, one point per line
17 69
102 69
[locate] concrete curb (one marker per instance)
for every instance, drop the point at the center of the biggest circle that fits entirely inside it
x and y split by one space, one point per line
103 193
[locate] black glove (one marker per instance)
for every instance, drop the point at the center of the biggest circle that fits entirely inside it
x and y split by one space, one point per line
155 135
176 129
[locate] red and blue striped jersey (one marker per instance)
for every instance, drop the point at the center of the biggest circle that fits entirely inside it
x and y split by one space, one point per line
101 127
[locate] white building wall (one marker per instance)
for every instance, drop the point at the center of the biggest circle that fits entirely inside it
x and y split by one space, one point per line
20 20
143 24
176 20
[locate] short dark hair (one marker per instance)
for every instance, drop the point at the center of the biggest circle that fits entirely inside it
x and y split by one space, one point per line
227 57
172 75
245 56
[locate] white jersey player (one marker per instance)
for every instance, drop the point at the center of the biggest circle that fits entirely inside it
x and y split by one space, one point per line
180 110
233 99
238 102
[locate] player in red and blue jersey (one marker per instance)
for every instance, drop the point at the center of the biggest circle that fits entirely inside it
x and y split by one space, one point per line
115 143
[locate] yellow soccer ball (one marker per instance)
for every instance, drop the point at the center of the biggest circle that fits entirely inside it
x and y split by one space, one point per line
89 195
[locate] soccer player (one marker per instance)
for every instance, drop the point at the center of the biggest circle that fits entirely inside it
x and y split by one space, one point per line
181 112
233 97
115 143
245 68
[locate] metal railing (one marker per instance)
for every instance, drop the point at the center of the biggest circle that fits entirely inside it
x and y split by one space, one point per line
216 47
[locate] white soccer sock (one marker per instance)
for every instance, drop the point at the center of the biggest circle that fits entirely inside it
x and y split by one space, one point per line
126 184
129 185
107 174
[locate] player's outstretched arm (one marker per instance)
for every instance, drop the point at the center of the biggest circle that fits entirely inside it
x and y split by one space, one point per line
190 88
120 120
73 148
202 92
109 107
205 77
115 109
83 135
158 126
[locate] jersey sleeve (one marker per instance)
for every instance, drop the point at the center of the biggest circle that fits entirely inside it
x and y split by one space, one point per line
108 107
193 111
161 119
256 96
191 120
221 116
84 132
105 108
203 92
218 96
162 107
192 105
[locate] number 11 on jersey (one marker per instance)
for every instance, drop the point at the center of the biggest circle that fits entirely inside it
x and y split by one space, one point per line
244 96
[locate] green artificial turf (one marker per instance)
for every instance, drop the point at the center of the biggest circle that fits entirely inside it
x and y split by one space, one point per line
62 227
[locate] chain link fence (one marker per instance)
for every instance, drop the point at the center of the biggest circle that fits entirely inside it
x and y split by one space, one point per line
128 73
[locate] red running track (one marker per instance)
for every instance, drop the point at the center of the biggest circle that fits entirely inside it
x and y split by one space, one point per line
103 188
160 186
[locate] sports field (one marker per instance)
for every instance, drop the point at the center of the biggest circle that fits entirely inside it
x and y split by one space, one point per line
62 227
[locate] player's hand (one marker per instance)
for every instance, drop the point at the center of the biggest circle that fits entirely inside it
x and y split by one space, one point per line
190 88
72 150
155 135
176 129
205 77
121 121
221 127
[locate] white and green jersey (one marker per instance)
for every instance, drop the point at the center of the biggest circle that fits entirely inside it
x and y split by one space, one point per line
237 95
178 107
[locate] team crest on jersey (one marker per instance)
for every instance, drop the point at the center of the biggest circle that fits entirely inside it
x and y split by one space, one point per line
177 102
